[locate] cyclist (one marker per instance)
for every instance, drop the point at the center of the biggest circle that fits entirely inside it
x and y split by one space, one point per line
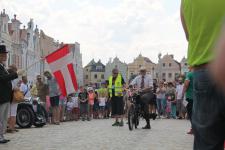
144 84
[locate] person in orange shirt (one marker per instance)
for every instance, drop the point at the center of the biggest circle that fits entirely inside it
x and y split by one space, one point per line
91 98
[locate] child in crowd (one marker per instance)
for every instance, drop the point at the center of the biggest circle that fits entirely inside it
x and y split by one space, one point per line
69 108
102 98
171 101
62 106
76 110
102 102
96 106
91 98
83 99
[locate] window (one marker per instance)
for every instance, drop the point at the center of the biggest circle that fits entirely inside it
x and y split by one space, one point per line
164 75
185 64
164 64
102 76
170 64
139 66
157 75
86 77
4 28
86 69
98 67
96 76
170 75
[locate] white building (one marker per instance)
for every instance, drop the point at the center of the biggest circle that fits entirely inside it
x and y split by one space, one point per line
5 38
116 63
77 62
184 66
167 68
33 51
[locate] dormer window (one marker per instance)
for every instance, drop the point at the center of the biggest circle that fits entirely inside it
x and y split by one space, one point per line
98 68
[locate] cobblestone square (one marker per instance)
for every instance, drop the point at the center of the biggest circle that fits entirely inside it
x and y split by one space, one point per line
100 135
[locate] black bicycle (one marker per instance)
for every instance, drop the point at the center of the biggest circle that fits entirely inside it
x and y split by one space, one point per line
135 112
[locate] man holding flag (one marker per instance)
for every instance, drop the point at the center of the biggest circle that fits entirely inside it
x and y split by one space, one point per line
61 65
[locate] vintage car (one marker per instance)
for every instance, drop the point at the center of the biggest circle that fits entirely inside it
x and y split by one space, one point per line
31 112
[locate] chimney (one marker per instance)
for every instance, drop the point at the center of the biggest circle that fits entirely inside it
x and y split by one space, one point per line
14 16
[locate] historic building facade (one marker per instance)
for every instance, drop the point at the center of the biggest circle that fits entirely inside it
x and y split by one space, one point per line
94 73
184 66
167 68
116 63
140 61
77 62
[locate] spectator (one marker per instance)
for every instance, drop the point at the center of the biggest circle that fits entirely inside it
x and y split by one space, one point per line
102 97
83 98
6 92
188 92
160 94
171 101
96 106
41 89
24 87
54 94
62 106
76 111
179 98
202 22
13 104
91 98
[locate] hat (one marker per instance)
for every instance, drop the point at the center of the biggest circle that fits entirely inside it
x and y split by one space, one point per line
142 68
90 89
3 49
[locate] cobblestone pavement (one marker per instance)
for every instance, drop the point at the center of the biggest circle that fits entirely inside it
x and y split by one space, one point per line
100 135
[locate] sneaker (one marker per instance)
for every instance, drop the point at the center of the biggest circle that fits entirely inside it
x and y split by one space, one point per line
154 116
4 141
9 131
115 123
190 132
121 124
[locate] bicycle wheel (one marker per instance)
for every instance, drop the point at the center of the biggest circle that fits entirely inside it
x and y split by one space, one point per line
131 118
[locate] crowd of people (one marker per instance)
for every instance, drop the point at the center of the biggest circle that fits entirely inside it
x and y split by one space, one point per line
200 94
109 100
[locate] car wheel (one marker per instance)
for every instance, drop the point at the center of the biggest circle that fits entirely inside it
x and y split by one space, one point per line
24 117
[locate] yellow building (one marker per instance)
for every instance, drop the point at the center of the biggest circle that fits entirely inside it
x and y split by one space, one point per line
94 73
140 61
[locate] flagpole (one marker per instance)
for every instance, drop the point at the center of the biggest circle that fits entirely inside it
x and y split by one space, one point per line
30 66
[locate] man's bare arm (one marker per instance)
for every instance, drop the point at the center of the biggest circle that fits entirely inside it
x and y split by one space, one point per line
217 67
183 22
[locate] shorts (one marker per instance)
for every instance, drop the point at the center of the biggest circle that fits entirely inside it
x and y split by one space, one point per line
83 108
117 104
108 105
95 107
62 103
101 108
54 101
13 109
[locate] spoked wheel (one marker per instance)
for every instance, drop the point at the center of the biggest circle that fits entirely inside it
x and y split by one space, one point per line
131 117
136 121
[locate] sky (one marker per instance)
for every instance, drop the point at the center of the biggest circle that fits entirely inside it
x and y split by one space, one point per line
108 28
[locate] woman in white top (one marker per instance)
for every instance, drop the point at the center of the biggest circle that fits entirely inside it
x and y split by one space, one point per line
13 105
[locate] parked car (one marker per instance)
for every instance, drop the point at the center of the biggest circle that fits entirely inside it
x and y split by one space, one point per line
31 112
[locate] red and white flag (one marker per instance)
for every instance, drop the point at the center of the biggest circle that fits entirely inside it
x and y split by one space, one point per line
61 65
